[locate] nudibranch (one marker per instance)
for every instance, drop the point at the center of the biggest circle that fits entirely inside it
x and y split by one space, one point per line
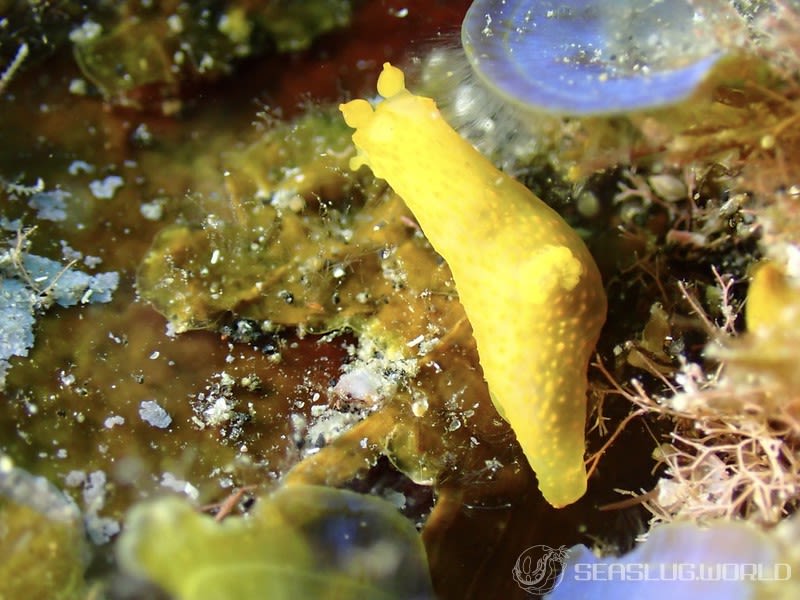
585 57
528 284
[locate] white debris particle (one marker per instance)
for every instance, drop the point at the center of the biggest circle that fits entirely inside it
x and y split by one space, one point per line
376 373
327 428
78 87
360 384
112 421
392 267
68 252
427 345
94 490
287 199
92 261
419 407
493 464
318 410
206 63
75 478
346 234
169 481
416 341
88 30
249 383
100 529
6 464
396 498
153 210
67 379
79 166
106 188
142 135
218 413
454 424
151 413
50 205
175 23
154 355
299 423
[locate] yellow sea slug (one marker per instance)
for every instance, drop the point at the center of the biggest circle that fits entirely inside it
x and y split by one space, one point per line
528 284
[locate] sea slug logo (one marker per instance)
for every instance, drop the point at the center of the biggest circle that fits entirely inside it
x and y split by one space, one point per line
540 568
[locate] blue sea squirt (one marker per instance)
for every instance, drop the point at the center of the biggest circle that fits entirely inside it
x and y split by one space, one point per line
527 282
585 57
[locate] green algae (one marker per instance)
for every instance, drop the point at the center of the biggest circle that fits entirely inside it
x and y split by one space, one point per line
43 551
129 57
296 162
40 558
314 253
318 271
298 542
293 25
138 55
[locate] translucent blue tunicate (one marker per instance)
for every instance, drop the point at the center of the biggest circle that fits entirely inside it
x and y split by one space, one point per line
586 57
683 561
